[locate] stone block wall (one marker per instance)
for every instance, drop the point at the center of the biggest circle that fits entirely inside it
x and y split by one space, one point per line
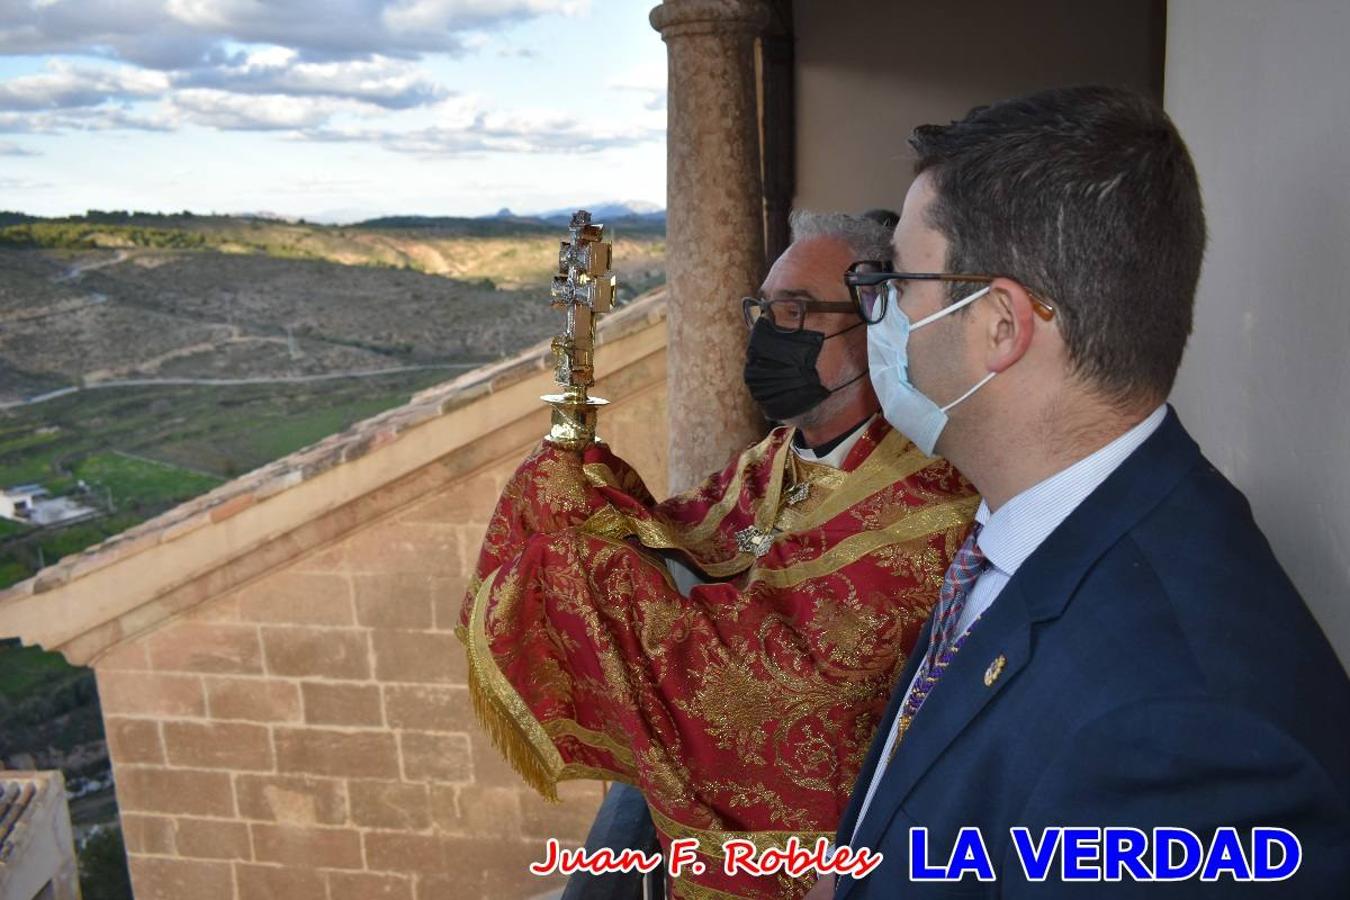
309 733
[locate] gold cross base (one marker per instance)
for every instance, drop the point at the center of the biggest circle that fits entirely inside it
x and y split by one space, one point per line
574 418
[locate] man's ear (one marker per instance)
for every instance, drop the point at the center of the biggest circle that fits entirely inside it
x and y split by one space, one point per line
1009 324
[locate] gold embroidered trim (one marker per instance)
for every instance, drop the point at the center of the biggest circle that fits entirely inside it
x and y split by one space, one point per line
656 534
883 467
710 841
597 740
880 470
773 496
503 714
685 889
527 744
579 771
600 475
918 524
609 523
717 513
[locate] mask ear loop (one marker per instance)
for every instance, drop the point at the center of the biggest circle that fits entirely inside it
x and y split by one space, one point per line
947 310
979 384
865 368
853 379
843 330
965 301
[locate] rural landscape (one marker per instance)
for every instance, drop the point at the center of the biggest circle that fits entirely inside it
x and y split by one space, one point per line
147 358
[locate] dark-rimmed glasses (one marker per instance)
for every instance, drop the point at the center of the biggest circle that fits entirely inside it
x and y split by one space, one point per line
788 314
872 284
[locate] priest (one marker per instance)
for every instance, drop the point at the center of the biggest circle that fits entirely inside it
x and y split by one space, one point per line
728 651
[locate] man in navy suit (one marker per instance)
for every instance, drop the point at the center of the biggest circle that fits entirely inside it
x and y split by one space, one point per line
1115 646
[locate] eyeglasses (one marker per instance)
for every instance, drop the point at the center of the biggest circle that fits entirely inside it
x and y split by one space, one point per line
872 285
788 314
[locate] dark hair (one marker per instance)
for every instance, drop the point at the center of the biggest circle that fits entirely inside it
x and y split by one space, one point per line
886 218
1087 196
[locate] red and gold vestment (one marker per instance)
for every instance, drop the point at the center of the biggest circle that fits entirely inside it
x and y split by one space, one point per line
745 708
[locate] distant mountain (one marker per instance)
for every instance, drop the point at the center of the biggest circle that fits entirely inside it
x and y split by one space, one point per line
632 217
484 226
609 210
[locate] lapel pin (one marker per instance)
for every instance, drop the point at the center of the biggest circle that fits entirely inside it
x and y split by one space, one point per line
995 669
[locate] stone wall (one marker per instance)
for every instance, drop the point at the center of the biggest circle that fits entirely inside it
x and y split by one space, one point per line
308 734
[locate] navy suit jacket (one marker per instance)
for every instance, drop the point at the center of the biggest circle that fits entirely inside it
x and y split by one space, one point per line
1161 670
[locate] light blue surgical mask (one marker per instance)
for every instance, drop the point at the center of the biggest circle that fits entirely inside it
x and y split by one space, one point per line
907 408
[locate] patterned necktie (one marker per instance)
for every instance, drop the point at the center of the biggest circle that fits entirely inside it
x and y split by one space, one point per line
943 642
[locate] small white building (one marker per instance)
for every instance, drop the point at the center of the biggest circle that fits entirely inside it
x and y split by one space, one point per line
34 505
17 502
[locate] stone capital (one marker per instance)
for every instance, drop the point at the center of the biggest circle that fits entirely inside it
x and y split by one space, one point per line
675 18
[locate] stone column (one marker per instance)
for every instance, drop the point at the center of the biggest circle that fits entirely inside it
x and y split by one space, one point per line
715 226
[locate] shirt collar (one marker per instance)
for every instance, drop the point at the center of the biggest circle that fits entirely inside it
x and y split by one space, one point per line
835 458
1010 535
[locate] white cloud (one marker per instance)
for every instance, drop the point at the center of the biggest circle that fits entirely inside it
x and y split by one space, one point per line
67 86
137 31
9 148
265 91
414 17
496 132
384 82
177 34
238 112
82 119
23 184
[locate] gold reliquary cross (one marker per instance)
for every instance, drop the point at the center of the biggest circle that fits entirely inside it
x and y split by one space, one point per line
584 288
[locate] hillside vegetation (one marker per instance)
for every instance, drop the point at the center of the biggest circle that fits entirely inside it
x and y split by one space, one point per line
152 356
145 359
509 252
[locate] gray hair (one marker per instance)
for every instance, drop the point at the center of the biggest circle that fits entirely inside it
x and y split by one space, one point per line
867 236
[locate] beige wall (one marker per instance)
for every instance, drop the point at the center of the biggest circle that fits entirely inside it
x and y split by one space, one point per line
1261 92
869 72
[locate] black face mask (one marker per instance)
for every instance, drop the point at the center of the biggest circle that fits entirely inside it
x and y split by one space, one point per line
780 370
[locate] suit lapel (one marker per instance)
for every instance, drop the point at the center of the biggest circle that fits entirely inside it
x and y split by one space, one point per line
1004 630
1038 591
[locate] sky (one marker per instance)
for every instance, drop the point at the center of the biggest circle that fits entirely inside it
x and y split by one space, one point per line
329 109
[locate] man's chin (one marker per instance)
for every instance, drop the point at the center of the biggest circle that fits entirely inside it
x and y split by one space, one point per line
807 419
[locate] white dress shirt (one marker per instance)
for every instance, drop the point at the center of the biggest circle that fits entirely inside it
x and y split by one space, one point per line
1013 532
835 458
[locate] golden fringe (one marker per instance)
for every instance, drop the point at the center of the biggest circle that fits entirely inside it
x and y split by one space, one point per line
502 724
509 739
